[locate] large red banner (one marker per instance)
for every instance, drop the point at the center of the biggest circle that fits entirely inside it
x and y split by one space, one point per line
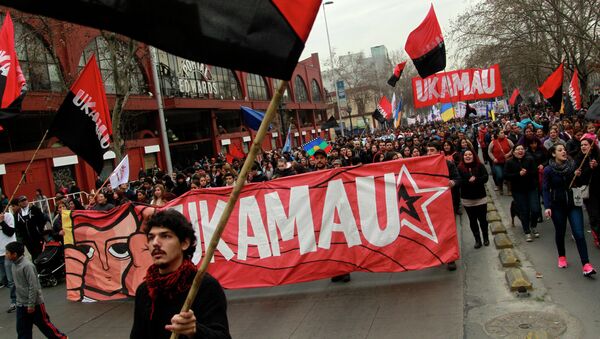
385 217
454 86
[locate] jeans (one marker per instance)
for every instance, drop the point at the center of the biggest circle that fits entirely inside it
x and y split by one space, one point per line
575 216
478 213
528 204
40 318
6 267
498 170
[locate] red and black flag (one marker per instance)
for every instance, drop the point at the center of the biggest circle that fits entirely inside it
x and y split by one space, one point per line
258 36
397 74
12 81
83 121
425 46
515 98
551 89
575 92
385 108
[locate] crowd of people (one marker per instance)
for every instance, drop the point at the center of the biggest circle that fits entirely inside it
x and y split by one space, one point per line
536 156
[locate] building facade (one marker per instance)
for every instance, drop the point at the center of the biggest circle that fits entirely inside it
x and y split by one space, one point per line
201 103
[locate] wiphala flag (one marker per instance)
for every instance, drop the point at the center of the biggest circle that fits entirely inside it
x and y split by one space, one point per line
258 36
551 89
83 120
425 46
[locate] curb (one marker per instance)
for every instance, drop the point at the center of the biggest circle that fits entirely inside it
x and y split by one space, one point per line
515 277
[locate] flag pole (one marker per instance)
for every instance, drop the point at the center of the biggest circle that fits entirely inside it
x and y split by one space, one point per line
233 197
26 169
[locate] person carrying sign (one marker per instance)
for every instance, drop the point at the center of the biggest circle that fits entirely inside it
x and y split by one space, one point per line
158 300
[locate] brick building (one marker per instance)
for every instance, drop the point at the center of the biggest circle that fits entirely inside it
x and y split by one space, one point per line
201 104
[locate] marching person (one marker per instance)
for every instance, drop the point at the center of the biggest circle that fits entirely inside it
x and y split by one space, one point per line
521 171
473 196
560 205
7 235
590 176
30 303
499 151
435 148
158 300
29 225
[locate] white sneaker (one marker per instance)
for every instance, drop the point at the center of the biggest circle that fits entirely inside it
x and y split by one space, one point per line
528 237
11 308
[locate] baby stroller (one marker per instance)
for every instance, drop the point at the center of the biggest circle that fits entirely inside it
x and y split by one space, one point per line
50 264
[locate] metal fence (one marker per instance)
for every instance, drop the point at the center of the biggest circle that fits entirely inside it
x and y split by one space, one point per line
48 205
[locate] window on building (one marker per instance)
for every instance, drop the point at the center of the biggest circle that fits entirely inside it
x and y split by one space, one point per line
300 90
305 118
126 64
229 121
228 86
257 87
286 94
316 91
40 67
185 78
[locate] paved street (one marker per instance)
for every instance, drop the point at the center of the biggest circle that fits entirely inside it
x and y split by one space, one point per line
473 302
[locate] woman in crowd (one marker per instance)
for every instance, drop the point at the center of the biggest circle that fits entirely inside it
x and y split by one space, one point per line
406 152
590 175
75 204
158 198
560 205
521 171
416 152
499 151
449 152
141 196
473 196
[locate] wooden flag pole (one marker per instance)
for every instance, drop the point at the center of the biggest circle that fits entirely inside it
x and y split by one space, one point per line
26 169
233 197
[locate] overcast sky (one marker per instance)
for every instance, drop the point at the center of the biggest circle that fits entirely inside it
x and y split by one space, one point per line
357 25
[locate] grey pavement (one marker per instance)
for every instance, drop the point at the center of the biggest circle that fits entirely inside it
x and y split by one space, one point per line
565 293
423 304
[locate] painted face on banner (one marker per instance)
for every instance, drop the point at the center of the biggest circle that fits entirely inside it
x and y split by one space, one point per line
103 258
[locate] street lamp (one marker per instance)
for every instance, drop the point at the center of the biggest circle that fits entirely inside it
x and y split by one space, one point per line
332 68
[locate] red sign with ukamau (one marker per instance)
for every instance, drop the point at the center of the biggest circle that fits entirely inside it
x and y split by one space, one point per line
461 85
386 217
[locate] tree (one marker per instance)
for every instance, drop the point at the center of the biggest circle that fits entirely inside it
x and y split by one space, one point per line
121 55
529 38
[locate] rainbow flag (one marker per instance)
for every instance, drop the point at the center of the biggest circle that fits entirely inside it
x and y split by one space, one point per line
316 144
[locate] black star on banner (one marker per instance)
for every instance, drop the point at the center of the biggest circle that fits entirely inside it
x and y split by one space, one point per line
408 206
412 198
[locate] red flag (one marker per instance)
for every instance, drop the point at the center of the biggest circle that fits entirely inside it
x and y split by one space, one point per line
385 107
397 73
234 153
11 76
425 46
83 120
515 98
574 91
551 89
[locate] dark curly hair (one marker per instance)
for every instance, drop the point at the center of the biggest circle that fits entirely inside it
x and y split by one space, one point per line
177 223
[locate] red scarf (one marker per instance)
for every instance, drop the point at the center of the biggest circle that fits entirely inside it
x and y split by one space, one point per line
169 285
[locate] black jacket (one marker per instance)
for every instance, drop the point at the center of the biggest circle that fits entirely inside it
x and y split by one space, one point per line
476 189
210 310
29 228
524 183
